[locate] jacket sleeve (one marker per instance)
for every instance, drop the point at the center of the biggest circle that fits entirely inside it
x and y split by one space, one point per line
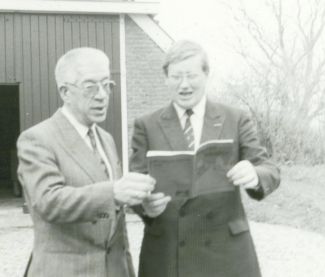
251 150
139 145
138 160
46 189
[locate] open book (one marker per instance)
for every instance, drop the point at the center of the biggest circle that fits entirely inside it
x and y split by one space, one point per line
187 174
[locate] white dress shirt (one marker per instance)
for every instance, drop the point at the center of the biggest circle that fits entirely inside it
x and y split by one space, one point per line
196 119
83 132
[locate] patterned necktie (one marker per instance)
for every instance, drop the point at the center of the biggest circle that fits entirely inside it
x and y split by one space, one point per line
188 130
95 151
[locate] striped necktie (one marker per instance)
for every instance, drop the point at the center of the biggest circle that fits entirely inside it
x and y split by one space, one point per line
188 130
95 151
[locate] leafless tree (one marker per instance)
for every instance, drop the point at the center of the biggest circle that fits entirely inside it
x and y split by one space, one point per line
284 84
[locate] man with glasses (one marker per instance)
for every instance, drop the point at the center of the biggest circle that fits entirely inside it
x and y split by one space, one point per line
206 235
72 178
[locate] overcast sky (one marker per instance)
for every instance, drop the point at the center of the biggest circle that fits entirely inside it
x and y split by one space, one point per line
210 22
205 21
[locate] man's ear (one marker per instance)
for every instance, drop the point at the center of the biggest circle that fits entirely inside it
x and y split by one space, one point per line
64 93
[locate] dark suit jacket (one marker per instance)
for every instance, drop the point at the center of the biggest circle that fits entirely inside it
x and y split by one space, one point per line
208 235
71 203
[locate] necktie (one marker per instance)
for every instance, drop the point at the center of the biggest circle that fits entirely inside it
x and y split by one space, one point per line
109 216
95 151
188 130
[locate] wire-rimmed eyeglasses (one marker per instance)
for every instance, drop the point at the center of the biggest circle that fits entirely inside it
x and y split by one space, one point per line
91 88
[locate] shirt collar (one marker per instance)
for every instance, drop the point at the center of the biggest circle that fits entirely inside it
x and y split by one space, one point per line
81 128
198 109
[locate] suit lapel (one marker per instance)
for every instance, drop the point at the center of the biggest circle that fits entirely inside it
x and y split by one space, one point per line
213 122
172 129
75 147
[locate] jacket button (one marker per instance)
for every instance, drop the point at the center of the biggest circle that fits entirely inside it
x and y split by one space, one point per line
182 243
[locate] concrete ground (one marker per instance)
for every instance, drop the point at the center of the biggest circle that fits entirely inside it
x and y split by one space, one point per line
282 251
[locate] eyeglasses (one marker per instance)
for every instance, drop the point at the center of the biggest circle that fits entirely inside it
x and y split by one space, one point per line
180 78
91 89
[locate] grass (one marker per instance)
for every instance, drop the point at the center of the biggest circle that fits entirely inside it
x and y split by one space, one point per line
299 201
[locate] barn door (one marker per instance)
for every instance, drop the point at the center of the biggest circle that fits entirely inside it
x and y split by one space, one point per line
9 131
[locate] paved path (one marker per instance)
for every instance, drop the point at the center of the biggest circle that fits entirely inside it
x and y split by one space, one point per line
282 251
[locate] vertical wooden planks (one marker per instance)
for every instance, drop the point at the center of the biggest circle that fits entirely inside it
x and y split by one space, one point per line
35 66
117 77
67 31
108 38
76 39
59 40
18 50
44 67
109 123
91 32
2 49
52 58
26 87
83 32
100 43
9 42
116 46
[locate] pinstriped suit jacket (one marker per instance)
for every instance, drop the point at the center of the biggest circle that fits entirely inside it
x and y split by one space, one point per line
71 203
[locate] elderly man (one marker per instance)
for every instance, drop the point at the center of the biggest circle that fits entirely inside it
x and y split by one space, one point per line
208 235
71 175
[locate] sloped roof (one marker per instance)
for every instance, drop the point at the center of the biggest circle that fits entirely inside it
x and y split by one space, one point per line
153 30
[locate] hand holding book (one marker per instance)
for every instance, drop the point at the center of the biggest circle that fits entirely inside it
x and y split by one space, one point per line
155 203
243 174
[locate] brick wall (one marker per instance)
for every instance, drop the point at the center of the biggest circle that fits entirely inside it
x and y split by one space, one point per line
146 89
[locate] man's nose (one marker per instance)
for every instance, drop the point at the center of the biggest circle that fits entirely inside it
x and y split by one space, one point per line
184 82
102 93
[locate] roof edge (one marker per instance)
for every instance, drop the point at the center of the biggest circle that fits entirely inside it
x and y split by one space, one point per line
89 7
153 30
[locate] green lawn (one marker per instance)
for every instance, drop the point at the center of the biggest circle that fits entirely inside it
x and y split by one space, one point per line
298 202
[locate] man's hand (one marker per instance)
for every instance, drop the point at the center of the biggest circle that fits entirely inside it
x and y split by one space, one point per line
155 204
132 188
243 174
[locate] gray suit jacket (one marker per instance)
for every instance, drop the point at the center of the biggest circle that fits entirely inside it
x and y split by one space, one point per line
71 203
207 235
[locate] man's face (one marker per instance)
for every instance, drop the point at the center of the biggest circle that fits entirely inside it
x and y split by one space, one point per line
88 97
186 82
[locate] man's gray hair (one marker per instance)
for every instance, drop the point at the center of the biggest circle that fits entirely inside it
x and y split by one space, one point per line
66 69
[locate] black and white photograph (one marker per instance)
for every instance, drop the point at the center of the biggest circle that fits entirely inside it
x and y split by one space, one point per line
162 138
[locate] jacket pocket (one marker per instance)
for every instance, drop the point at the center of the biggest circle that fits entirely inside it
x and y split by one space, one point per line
238 226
